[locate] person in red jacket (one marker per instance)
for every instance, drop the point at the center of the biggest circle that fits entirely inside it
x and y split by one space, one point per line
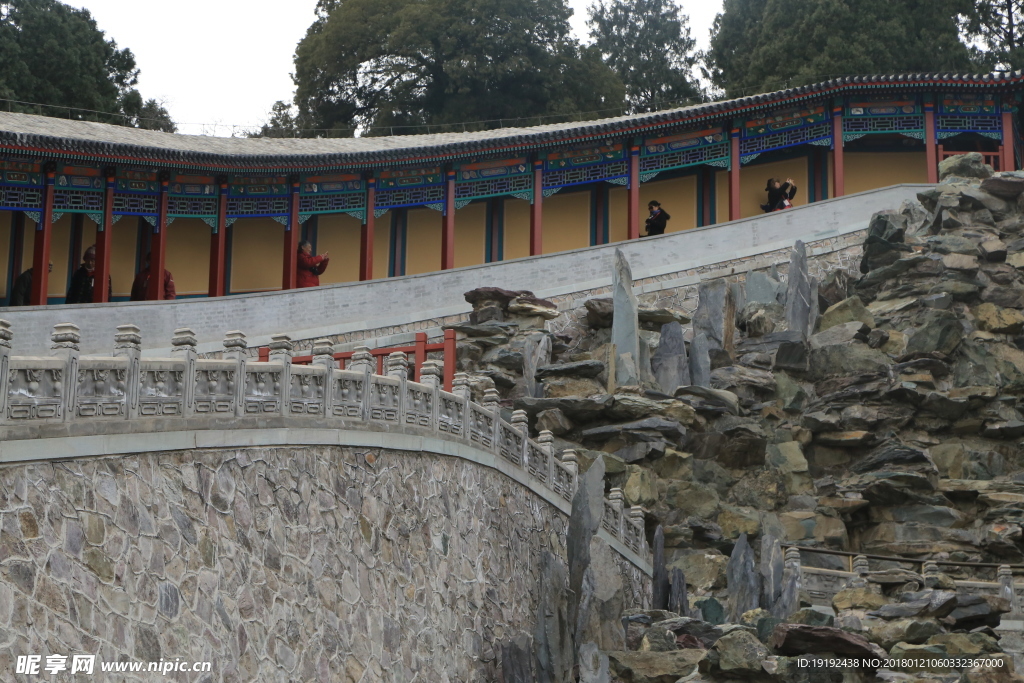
310 267
140 288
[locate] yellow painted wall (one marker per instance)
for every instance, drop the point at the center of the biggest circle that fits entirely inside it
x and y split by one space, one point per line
618 207
678 196
470 234
869 170
566 222
188 256
257 261
5 239
381 244
517 228
60 254
423 241
721 196
123 249
338 235
753 180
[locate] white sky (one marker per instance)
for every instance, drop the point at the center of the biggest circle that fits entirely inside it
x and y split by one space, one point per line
218 66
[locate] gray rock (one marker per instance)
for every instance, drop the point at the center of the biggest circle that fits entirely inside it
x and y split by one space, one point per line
700 361
841 335
771 571
1007 187
594 666
660 579
707 633
711 610
743 580
670 363
798 291
553 645
761 288
677 598
599 312
715 397
715 316
553 420
517 660
971 165
580 409
584 521
580 368
602 600
536 354
669 428
942 332
625 323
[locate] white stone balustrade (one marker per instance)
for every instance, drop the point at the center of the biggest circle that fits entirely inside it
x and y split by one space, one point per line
65 388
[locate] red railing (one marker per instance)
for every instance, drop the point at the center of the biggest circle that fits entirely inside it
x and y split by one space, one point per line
993 159
417 353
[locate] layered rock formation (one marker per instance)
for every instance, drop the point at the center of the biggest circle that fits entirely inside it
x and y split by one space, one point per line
872 412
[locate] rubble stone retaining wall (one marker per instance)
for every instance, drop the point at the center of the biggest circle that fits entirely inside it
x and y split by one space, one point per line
323 563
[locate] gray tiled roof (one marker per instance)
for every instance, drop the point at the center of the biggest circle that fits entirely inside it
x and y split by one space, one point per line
99 141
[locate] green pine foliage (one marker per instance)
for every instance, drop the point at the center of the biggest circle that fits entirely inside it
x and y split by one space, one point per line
765 45
648 44
997 31
386 66
54 54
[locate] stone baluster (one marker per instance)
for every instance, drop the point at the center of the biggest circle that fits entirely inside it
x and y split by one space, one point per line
281 352
637 514
930 574
362 362
397 365
860 571
618 501
128 345
1008 591
323 357
789 600
431 373
460 386
546 443
184 347
490 404
234 350
571 463
66 337
521 423
5 363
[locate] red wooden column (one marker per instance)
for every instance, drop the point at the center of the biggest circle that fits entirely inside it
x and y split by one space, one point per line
450 352
633 198
838 166
448 225
41 249
537 211
366 234
734 174
931 152
219 243
158 247
1009 160
291 240
104 239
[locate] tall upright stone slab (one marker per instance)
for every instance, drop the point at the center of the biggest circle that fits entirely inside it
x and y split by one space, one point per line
678 601
700 361
552 636
536 352
789 599
584 521
772 565
660 582
742 579
670 363
761 288
625 324
798 291
715 316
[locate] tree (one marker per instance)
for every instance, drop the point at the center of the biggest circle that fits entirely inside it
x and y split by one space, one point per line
766 45
399 64
53 54
282 123
997 26
648 44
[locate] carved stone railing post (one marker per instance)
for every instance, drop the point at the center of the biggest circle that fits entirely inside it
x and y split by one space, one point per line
521 423
128 344
617 501
281 352
571 462
1007 590
792 584
362 362
546 442
490 404
66 337
397 365
184 347
460 386
234 350
5 363
323 356
636 538
860 570
431 372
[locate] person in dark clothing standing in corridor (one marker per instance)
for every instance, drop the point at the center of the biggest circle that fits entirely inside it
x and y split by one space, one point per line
82 282
21 292
780 195
658 220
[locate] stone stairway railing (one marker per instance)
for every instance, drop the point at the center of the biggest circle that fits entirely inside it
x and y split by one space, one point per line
822 585
39 393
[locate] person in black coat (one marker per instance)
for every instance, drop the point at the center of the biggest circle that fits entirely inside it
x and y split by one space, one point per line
658 219
780 195
21 292
82 282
